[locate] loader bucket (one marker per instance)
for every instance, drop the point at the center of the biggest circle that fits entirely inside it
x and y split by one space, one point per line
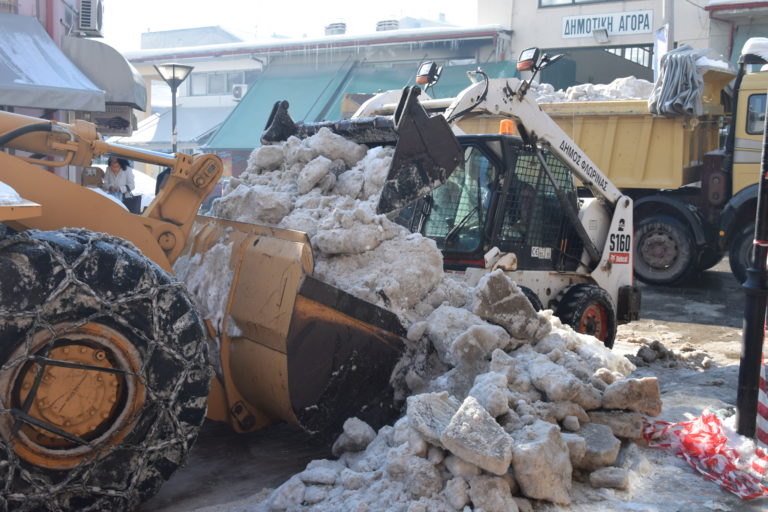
426 153
293 348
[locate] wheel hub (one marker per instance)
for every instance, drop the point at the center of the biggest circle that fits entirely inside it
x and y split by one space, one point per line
658 249
594 321
70 394
75 400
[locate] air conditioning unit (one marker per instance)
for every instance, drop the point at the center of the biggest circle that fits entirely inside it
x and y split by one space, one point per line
238 91
91 18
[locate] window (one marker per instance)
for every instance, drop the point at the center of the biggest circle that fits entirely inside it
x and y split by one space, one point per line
459 205
218 83
558 3
756 114
637 54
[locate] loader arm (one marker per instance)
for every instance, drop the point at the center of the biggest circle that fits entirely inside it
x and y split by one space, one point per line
506 97
160 232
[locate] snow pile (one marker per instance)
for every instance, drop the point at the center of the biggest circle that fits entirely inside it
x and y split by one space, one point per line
620 89
8 195
655 352
504 404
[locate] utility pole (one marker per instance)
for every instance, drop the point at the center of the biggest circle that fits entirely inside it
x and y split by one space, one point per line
668 8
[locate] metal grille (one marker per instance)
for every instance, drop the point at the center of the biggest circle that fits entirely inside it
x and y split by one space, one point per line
533 216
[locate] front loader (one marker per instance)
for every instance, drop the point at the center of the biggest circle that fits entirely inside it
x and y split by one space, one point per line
107 367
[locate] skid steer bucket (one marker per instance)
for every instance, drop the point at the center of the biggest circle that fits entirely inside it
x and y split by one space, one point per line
293 348
426 153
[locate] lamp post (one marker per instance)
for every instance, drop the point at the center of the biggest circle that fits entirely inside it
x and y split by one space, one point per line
173 74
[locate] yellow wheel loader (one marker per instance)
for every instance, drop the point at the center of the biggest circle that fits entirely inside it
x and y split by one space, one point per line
107 369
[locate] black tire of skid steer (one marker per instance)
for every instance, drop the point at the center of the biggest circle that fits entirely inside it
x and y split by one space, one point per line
107 281
579 301
532 297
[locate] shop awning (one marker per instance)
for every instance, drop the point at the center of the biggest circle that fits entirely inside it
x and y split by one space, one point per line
35 73
109 70
316 94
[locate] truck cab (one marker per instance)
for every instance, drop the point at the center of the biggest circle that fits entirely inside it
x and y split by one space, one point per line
748 128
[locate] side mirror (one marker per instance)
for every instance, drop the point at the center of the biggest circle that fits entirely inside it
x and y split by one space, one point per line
428 74
528 59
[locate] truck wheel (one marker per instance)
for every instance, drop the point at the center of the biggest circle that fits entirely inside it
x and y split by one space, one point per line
588 309
103 373
709 259
664 251
740 252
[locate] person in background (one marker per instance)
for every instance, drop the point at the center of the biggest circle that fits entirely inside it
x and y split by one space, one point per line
118 180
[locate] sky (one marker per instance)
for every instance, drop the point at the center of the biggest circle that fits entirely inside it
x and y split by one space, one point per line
126 20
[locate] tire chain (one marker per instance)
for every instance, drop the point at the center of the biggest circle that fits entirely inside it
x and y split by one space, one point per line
44 492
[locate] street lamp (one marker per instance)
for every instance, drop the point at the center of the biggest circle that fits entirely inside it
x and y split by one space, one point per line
173 74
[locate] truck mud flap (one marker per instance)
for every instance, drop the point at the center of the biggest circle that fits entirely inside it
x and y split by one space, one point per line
628 308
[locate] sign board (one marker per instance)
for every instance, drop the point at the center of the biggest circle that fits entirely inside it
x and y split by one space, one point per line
616 24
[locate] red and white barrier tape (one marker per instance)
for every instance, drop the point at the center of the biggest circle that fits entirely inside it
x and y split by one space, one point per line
702 443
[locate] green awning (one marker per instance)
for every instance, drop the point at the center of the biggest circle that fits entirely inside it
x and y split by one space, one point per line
310 93
316 94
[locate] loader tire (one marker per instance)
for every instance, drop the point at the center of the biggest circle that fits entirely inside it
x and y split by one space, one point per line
665 253
740 252
103 373
588 309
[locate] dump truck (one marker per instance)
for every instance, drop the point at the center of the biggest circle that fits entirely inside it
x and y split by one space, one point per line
694 190
108 368
511 202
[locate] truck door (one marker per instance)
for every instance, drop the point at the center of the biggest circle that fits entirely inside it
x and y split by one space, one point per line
749 124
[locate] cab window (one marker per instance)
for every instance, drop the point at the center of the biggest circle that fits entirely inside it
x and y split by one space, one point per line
756 114
459 206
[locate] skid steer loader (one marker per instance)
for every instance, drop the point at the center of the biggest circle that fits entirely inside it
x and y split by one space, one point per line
107 369
512 201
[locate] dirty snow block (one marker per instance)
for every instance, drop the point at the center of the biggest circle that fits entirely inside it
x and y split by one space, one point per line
641 395
266 158
577 447
456 492
476 437
312 173
498 300
602 447
418 475
542 464
491 391
357 435
625 424
430 413
491 494
477 343
288 495
610 477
